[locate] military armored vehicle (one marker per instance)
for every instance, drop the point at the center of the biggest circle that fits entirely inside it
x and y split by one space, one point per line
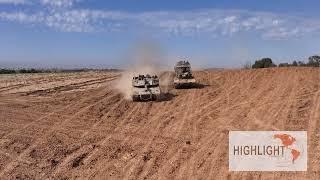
183 77
145 88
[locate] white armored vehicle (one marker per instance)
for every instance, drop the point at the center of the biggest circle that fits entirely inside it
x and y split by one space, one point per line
183 77
145 88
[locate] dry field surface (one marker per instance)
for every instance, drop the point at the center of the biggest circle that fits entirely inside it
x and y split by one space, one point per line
76 125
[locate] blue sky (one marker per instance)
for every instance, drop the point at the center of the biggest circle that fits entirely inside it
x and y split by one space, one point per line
96 33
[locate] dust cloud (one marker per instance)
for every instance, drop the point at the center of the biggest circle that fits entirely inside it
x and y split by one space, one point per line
145 58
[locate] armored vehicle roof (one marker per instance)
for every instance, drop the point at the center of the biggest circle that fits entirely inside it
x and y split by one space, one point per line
183 63
145 80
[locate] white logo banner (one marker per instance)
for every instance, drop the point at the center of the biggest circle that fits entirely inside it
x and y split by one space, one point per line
268 151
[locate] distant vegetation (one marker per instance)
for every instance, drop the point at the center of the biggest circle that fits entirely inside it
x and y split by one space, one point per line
7 71
313 61
27 71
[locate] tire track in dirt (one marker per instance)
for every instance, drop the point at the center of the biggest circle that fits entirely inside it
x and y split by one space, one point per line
186 114
86 150
64 87
211 137
178 131
262 92
133 113
175 153
265 120
8 88
314 134
226 92
131 166
220 152
150 140
192 158
195 134
133 116
144 149
287 96
63 109
69 87
109 112
16 161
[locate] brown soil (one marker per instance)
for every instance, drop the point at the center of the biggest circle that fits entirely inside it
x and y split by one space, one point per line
78 126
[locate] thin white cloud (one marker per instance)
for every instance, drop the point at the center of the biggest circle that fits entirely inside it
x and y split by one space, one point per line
227 23
58 3
15 2
22 17
210 23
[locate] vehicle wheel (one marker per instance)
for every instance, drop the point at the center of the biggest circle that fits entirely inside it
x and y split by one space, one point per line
158 97
134 98
154 97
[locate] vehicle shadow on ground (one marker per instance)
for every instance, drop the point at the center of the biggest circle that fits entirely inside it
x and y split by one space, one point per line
166 97
194 86
163 97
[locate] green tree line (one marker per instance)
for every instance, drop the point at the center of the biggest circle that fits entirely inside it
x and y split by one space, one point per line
313 61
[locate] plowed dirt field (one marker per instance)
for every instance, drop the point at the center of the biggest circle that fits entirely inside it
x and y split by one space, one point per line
76 125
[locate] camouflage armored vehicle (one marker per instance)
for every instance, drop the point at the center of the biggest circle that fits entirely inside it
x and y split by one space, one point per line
145 88
183 77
